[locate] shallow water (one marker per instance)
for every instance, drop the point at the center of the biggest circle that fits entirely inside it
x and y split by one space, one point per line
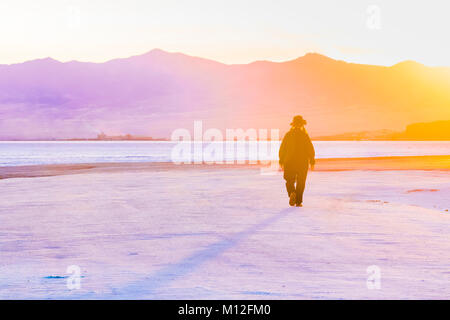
18 153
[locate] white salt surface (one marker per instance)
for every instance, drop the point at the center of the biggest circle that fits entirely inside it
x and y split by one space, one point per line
225 234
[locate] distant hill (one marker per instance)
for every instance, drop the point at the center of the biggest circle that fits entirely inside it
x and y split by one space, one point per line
435 131
154 93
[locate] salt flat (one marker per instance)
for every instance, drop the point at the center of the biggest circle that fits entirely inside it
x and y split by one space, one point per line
211 233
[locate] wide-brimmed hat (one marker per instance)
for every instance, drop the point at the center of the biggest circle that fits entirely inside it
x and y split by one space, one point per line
298 121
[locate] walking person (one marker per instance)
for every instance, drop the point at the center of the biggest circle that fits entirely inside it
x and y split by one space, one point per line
296 154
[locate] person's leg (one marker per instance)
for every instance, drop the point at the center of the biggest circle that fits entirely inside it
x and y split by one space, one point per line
301 181
289 176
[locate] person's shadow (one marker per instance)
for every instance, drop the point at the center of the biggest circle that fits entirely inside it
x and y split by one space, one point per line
149 285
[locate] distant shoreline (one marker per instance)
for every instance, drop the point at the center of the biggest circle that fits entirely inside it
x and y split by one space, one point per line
330 164
427 131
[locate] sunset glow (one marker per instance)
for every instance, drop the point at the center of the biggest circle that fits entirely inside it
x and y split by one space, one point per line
381 32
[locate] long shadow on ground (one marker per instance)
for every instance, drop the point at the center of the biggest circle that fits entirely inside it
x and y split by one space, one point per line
148 286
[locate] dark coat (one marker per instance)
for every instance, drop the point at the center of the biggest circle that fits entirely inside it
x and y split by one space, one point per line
296 149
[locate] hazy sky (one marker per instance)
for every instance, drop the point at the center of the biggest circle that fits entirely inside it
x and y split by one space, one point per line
232 31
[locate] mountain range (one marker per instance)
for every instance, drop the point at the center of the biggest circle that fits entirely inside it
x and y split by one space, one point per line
157 92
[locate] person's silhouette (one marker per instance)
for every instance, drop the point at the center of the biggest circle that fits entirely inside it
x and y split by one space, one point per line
296 153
